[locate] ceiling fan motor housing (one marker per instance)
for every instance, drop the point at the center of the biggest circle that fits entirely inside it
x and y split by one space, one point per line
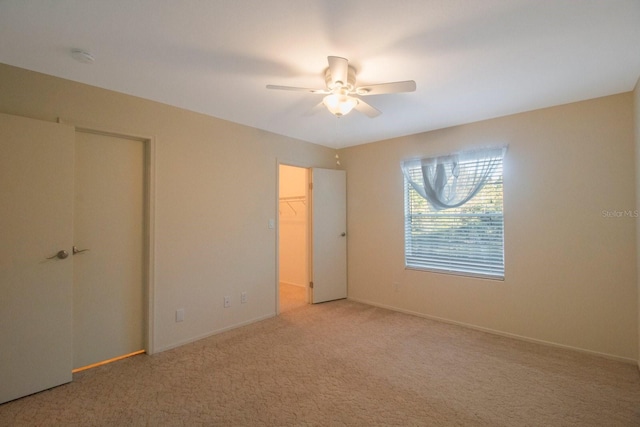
349 85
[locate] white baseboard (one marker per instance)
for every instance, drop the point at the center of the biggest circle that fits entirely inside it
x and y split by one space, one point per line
216 332
500 333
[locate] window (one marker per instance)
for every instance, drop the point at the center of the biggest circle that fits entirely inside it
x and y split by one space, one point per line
453 214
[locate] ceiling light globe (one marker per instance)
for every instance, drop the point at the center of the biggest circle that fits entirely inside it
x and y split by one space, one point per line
339 105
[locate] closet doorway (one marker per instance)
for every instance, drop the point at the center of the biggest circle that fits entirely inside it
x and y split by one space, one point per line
293 239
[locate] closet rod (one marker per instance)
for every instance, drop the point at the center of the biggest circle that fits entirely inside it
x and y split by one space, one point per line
293 199
289 200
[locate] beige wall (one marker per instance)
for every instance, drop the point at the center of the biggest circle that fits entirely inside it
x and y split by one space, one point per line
570 271
294 258
215 193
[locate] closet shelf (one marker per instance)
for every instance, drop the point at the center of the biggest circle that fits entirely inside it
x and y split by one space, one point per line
293 199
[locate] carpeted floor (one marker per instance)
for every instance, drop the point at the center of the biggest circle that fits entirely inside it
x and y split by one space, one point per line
292 297
344 364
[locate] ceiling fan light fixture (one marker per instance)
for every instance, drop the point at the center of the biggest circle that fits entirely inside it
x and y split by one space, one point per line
342 94
339 105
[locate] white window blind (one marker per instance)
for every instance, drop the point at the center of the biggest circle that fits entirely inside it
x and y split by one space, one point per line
468 239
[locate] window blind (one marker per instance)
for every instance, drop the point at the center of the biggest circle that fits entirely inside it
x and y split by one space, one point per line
466 240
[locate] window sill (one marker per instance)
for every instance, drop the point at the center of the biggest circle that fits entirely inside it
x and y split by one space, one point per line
455 273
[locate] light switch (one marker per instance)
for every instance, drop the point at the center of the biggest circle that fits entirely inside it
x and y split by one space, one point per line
272 223
180 315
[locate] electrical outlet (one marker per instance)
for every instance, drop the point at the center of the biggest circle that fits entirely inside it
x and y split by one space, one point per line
227 302
243 297
180 315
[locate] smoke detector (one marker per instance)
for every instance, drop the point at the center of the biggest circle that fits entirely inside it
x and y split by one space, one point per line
83 56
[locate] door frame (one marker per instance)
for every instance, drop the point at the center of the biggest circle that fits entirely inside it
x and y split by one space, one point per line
282 162
148 283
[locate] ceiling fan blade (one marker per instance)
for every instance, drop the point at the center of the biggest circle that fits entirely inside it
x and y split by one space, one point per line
297 89
367 109
394 87
339 69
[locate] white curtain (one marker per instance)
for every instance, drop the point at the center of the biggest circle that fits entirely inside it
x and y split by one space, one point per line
451 181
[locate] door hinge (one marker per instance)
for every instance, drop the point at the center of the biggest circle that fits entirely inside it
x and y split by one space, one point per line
311 186
311 285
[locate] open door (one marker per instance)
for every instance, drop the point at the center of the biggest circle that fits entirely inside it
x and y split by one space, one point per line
36 266
328 235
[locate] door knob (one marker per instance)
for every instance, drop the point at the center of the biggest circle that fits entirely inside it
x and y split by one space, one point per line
75 250
60 255
343 234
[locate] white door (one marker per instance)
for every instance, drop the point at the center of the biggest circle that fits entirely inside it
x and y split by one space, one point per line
328 234
36 213
108 301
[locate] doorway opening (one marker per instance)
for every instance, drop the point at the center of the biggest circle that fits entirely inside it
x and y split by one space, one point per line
293 237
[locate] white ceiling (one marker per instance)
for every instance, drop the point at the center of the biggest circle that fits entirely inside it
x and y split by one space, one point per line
471 59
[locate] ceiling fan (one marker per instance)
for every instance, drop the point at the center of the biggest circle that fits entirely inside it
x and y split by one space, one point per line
342 94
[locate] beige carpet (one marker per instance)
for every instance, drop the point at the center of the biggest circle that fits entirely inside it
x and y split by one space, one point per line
341 364
292 297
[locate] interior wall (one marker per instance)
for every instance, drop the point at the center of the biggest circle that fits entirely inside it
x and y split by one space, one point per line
293 226
570 254
215 192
